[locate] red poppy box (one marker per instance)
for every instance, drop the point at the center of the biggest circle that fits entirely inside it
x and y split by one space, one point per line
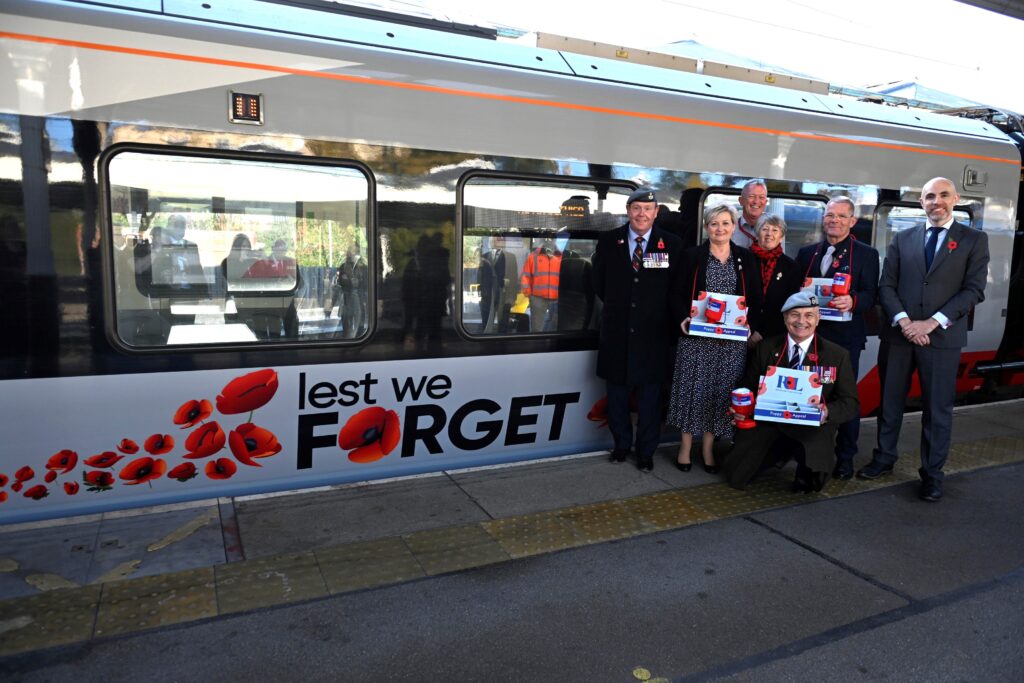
789 396
719 316
822 287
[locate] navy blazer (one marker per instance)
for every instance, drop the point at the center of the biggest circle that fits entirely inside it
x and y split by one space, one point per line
955 282
863 287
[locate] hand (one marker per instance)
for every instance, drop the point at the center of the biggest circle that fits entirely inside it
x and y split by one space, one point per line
736 417
842 303
824 413
918 328
753 339
685 326
923 340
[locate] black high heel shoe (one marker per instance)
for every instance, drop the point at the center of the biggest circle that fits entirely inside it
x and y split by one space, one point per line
711 469
683 466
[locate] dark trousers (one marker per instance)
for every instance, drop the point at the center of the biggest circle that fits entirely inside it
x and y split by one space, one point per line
648 423
811 446
937 369
849 432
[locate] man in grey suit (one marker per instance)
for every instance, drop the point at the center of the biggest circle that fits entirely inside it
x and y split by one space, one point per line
930 280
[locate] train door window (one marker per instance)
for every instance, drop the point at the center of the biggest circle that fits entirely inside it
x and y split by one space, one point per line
526 247
894 217
803 215
237 250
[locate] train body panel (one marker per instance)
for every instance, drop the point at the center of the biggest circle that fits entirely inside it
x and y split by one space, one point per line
442 154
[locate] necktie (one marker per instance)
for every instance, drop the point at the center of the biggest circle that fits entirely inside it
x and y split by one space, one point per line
929 247
638 254
826 260
794 356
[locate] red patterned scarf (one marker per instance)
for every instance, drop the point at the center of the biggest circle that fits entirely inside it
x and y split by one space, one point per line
768 260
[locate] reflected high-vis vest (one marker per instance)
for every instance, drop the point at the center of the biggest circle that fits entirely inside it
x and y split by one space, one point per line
540 274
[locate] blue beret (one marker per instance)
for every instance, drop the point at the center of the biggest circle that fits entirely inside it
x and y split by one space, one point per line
642 195
800 300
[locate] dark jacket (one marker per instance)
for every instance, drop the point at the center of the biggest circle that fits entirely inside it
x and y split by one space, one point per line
863 288
785 280
693 279
637 329
954 284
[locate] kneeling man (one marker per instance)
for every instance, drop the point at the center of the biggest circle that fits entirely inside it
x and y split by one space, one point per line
802 349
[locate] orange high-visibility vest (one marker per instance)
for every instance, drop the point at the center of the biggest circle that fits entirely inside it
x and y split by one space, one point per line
540 274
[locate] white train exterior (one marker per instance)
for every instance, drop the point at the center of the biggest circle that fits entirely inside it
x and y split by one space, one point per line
142 366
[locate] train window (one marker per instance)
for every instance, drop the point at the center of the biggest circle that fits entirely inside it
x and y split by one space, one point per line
803 215
895 217
237 250
526 249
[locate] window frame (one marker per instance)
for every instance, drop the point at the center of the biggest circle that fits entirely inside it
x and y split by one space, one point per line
106 225
568 181
889 204
735 192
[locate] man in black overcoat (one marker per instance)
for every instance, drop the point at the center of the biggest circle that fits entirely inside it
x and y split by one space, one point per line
840 252
635 268
816 445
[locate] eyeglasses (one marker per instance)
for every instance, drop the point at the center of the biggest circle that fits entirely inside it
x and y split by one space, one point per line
835 216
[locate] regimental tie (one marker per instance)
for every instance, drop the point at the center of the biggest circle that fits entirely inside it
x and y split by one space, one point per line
794 357
929 247
826 260
638 254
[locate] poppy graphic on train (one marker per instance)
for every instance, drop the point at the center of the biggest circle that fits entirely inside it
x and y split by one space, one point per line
370 434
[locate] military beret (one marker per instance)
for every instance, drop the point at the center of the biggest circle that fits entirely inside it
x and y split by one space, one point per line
642 195
800 300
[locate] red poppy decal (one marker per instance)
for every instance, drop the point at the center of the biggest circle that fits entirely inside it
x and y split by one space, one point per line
97 480
372 432
951 245
740 320
37 492
193 412
3 496
813 400
128 447
786 414
599 412
183 472
741 303
62 462
249 442
248 392
50 477
718 330
221 468
103 460
71 487
761 388
158 444
701 296
141 470
16 486
3 480
815 380
24 474
771 370
807 282
693 311
205 441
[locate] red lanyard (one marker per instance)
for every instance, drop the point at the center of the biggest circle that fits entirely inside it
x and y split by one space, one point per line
818 251
739 274
810 356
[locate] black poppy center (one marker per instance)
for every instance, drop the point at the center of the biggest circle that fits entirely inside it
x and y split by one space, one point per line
250 444
194 413
371 435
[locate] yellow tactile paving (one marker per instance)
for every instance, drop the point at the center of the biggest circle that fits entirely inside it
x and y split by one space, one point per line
446 550
150 601
367 564
48 619
534 534
76 614
253 584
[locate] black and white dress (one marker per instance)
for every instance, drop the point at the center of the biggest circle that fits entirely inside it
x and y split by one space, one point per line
707 370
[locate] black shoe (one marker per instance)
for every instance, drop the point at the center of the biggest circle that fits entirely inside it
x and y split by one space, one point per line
645 464
931 491
619 455
818 480
873 470
683 466
843 470
711 469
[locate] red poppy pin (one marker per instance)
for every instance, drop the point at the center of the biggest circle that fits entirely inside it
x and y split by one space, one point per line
951 245
812 357
661 244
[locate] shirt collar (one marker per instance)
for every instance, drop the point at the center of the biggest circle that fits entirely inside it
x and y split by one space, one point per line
944 226
633 235
804 345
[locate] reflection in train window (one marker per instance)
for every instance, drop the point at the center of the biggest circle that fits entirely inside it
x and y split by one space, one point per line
893 218
232 251
803 216
526 250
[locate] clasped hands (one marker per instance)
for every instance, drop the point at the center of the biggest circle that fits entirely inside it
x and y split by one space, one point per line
917 331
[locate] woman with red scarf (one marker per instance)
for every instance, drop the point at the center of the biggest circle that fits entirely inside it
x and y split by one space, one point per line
780 276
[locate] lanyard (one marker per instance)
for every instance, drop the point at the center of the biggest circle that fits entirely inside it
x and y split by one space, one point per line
810 356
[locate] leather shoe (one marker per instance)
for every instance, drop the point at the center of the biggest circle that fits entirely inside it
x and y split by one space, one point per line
843 470
683 466
645 464
711 469
873 470
818 480
619 455
931 491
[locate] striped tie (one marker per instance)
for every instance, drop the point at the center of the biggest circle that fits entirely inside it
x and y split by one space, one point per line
638 254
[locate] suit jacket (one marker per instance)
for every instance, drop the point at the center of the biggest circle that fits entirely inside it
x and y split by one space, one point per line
839 396
693 279
863 286
637 328
955 282
785 280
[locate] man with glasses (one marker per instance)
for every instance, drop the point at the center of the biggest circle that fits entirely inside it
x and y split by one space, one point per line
840 252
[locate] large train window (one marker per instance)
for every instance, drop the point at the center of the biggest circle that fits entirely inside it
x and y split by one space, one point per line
893 217
803 215
526 246
237 250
